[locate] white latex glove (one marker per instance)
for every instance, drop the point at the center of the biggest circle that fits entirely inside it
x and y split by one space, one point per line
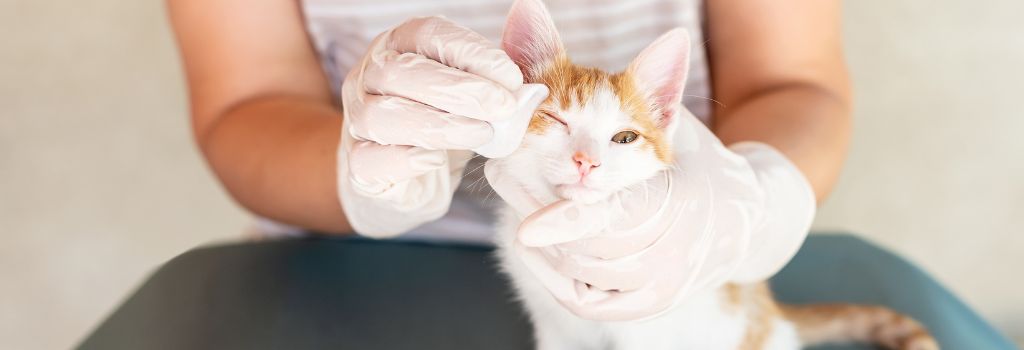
426 93
722 214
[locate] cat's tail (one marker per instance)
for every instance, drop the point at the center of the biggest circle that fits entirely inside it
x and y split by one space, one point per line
828 323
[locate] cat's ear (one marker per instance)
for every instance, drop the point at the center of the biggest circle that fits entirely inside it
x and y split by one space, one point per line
660 75
530 37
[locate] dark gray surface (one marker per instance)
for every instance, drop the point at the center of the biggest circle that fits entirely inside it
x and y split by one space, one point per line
361 294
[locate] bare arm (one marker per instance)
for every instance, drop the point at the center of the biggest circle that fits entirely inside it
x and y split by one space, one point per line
778 70
261 107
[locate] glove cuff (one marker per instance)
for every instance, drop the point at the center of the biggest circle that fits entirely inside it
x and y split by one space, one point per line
404 206
789 208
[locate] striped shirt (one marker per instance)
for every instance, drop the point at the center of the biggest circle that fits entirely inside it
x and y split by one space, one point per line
600 33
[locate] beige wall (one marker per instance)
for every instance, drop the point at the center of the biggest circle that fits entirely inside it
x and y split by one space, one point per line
936 170
99 181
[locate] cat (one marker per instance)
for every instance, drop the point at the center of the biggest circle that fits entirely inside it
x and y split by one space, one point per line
598 133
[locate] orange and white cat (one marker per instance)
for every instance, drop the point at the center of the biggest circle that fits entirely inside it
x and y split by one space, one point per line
598 133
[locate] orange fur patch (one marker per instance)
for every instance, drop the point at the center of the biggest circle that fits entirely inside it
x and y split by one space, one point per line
732 296
761 309
634 103
762 322
539 123
570 83
823 323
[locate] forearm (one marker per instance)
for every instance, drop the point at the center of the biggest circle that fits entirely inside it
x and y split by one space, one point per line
808 123
276 157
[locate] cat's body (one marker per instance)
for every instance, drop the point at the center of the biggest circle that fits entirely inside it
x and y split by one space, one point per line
727 318
591 104
598 133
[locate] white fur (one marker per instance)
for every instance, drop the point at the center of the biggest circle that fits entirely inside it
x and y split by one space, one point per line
543 163
700 322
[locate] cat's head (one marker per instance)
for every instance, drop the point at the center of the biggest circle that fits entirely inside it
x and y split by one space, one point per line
597 132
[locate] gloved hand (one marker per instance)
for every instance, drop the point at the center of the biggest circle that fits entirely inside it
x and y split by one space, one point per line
426 93
721 214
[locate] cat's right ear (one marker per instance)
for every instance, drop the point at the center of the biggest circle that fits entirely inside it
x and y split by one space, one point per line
530 37
660 74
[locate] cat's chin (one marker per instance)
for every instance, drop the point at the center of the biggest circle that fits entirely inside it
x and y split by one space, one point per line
580 193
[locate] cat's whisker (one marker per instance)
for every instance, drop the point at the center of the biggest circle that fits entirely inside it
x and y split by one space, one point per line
720 104
474 181
477 184
490 193
475 169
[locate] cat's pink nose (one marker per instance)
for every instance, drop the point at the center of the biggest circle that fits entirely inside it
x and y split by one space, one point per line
585 163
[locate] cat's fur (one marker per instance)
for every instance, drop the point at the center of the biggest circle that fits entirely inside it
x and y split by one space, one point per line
570 138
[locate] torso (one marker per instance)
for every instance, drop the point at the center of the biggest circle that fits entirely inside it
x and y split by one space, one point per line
601 33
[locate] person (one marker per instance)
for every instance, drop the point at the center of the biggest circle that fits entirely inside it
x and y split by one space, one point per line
292 108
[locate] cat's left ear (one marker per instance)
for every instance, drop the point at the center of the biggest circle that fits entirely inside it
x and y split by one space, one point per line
530 38
660 75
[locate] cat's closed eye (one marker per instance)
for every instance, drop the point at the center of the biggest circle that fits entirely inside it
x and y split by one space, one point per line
626 136
553 117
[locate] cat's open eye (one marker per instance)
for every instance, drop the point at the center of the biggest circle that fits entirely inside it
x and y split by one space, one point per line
625 136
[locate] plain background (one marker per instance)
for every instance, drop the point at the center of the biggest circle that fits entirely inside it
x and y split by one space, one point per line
100 181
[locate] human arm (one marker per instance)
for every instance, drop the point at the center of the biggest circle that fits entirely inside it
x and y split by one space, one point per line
779 75
262 113
426 92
